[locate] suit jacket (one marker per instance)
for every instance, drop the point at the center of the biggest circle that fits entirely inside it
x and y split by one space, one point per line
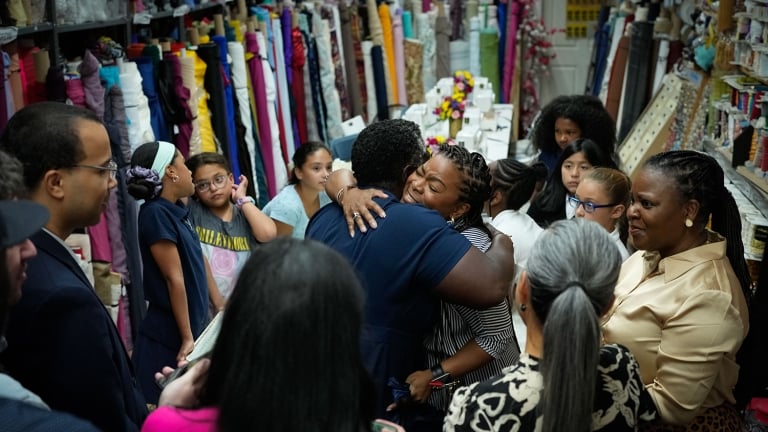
17 416
64 346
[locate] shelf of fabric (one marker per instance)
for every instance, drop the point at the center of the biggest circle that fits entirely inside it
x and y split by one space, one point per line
753 186
35 28
70 28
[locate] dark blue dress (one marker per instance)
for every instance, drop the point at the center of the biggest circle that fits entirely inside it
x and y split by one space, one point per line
159 339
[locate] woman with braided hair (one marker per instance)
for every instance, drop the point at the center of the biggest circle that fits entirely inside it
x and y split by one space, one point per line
681 300
467 345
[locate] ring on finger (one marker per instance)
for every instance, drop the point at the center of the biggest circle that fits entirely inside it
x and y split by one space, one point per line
355 215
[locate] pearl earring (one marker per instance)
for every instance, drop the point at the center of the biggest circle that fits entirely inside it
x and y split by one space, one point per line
688 222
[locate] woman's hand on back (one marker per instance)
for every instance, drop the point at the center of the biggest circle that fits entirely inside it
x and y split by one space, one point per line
359 208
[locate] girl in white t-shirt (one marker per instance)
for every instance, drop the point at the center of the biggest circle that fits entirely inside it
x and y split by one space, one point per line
603 196
512 185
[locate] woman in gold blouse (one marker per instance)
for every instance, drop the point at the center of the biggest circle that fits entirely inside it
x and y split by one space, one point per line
680 301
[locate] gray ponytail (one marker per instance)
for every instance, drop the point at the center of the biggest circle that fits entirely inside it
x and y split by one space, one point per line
572 273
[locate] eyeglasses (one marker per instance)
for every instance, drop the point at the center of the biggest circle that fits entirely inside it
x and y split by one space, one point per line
205 185
111 167
589 206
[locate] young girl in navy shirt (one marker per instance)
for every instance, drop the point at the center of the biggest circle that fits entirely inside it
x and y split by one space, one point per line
177 278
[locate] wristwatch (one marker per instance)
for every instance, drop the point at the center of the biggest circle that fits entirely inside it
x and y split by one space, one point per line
240 201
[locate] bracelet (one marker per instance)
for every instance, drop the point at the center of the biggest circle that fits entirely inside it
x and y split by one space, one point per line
246 199
438 374
340 193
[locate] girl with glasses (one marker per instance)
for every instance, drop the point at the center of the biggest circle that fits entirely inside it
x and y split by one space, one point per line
603 196
576 159
305 194
228 222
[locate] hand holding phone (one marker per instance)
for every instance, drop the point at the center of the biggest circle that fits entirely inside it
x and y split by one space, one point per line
182 387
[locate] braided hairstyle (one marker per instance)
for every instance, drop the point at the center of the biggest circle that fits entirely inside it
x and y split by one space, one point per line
586 111
476 188
699 177
516 181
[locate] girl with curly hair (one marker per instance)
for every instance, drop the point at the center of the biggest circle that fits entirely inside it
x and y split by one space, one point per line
572 117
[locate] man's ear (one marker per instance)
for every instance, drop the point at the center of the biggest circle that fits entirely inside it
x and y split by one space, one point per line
53 183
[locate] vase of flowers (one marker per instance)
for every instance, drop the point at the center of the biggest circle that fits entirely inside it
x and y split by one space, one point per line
453 106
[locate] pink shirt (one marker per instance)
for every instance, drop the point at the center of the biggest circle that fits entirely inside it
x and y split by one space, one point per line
171 419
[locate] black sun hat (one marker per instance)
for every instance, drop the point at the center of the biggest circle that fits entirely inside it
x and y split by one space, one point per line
19 219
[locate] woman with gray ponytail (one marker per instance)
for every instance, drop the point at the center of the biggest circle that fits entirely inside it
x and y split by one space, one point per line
565 380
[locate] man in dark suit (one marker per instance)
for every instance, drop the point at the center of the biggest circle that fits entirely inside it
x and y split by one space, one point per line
62 343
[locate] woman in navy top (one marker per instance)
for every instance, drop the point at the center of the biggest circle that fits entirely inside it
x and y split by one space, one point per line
177 278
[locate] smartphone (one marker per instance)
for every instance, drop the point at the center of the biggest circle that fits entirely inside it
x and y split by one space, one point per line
165 380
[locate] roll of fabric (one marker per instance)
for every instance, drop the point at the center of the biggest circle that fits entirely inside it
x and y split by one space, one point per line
188 81
136 106
489 60
286 24
379 77
283 97
312 87
17 87
277 161
413 80
229 105
502 10
397 37
246 144
407 24
456 14
256 71
94 91
298 65
4 96
207 137
474 46
429 48
9 91
357 37
214 85
328 13
370 81
327 79
182 96
157 120
374 23
389 53
460 55
75 92
114 110
510 51
442 47
350 62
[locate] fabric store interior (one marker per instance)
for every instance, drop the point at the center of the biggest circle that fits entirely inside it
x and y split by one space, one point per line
254 80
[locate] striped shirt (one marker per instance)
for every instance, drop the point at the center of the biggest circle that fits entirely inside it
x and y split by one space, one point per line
491 328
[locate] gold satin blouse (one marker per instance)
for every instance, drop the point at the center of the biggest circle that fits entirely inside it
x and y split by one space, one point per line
683 317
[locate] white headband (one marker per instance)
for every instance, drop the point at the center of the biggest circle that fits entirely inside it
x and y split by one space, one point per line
164 157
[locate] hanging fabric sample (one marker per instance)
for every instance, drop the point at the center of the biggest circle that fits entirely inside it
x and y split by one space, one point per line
214 85
136 106
229 106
